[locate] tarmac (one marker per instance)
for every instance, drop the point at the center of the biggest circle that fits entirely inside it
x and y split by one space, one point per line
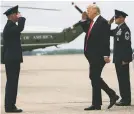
59 84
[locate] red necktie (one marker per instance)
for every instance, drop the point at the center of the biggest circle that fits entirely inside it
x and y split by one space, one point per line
88 34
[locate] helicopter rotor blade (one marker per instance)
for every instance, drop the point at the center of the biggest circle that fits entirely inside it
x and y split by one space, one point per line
35 8
77 7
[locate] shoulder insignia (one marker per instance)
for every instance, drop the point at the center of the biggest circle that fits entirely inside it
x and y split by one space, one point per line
127 35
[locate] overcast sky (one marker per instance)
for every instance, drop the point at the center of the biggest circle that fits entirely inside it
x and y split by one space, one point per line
68 15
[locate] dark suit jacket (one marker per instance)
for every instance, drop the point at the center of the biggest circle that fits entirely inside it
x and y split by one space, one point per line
98 44
12 50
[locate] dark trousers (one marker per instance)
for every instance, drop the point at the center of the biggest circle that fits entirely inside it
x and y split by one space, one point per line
12 73
124 81
97 82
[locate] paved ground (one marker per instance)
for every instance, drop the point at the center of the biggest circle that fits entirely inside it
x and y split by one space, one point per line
60 85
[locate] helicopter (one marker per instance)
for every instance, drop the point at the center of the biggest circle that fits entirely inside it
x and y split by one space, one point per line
41 39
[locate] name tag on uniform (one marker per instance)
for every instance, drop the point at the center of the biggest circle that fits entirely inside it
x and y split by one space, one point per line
119 32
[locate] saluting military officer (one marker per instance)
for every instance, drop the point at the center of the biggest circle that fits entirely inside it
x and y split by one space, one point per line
122 56
12 56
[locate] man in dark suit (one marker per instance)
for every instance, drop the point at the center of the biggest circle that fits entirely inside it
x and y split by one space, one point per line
122 56
97 52
12 56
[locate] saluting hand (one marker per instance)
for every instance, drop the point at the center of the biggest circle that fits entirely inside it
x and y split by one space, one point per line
111 20
84 16
19 15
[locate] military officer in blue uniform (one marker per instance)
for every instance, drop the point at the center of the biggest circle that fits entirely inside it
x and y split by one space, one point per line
122 56
12 56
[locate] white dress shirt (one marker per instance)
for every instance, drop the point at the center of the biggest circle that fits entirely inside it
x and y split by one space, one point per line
94 20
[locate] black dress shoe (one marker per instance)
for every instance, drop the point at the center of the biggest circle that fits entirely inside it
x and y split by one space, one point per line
13 110
113 100
121 103
93 108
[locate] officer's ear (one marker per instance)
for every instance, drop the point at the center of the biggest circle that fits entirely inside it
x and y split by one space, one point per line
9 16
